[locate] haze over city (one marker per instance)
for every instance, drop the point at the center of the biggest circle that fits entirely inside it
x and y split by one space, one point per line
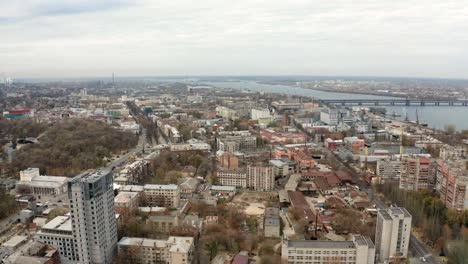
68 38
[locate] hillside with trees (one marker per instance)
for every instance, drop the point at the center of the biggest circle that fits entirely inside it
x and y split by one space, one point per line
71 146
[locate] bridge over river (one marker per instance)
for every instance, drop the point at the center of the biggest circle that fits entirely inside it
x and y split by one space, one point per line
396 102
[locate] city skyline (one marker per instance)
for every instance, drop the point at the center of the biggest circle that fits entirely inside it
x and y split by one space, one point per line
134 38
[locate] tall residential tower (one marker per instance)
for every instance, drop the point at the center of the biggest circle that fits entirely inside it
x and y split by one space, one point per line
93 217
392 234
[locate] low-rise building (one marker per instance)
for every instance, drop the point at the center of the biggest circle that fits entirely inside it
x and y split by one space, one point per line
389 169
271 222
174 250
360 250
234 141
237 178
42 187
58 234
162 195
283 167
332 144
354 143
125 202
187 187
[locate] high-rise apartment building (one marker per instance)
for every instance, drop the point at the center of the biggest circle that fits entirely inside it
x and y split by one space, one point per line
392 234
94 226
260 178
452 184
417 173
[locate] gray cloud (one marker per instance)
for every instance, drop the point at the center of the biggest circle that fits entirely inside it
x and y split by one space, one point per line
82 38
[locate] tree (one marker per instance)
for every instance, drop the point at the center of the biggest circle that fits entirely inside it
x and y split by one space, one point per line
213 248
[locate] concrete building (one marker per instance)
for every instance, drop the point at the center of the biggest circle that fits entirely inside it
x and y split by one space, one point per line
42 187
293 182
283 167
174 250
226 113
93 219
448 152
332 144
237 178
58 233
125 202
389 169
329 116
354 144
271 222
234 141
135 171
260 178
162 195
187 187
392 234
360 250
228 160
452 184
256 114
417 173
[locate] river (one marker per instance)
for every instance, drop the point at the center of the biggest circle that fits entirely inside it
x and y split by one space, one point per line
435 116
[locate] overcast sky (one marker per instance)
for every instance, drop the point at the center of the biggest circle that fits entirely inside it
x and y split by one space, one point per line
79 38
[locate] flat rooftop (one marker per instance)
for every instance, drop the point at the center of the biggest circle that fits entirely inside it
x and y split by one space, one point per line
60 223
90 176
160 187
320 244
142 242
125 197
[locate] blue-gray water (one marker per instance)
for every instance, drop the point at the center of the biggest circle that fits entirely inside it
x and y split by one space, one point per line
435 116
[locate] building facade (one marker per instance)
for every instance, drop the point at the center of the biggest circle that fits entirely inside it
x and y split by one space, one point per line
174 250
237 178
93 219
417 173
42 187
452 184
388 169
233 141
392 234
260 178
162 195
58 233
360 250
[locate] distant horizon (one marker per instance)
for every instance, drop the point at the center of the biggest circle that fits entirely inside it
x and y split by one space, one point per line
285 77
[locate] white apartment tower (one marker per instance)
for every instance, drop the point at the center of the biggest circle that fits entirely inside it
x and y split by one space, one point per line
392 234
93 217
